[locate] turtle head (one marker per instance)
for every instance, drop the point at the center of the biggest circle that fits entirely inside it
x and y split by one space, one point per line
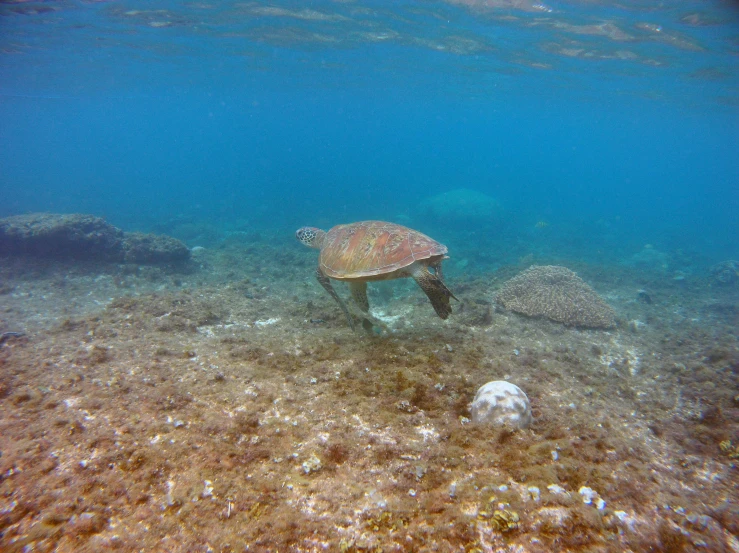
310 236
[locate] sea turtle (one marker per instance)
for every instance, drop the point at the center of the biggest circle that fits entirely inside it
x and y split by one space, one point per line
375 250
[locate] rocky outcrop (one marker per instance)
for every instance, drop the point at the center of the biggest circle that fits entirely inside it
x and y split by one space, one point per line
79 236
153 248
54 235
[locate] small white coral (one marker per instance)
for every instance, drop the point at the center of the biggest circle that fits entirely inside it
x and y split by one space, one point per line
591 497
312 464
502 404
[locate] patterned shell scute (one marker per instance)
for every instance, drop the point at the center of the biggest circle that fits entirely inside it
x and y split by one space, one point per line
371 248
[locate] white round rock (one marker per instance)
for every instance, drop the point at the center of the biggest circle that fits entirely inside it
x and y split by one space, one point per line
502 404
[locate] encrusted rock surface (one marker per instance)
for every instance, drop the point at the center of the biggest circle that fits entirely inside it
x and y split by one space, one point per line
558 294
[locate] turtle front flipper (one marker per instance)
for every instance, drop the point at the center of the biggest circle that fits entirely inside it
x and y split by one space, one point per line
437 271
435 289
326 283
359 293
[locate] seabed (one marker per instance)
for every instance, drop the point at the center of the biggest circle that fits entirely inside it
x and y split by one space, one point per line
230 408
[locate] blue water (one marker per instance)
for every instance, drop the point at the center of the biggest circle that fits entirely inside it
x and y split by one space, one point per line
615 125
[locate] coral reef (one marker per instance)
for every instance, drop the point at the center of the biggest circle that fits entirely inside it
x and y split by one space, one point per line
501 403
80 236
558 294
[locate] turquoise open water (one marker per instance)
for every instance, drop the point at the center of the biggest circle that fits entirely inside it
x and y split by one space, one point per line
610 124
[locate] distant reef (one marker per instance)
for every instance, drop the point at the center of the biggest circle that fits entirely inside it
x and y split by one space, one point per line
462 207
79 236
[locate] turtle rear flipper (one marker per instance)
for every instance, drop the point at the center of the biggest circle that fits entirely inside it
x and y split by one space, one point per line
435 289
326 283
358 289
372 325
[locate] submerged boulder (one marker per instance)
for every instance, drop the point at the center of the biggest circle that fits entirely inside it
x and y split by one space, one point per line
726 272
649 259
79 236
153 248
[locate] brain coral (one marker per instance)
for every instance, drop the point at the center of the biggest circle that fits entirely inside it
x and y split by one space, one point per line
558 294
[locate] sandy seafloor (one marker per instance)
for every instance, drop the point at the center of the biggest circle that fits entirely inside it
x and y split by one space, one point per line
230 408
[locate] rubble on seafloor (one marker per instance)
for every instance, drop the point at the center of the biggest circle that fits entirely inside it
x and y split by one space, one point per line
229 408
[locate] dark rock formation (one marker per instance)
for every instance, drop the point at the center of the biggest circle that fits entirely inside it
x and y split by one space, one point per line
54 235
78 236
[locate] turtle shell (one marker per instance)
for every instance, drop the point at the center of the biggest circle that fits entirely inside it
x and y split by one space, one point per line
374 250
